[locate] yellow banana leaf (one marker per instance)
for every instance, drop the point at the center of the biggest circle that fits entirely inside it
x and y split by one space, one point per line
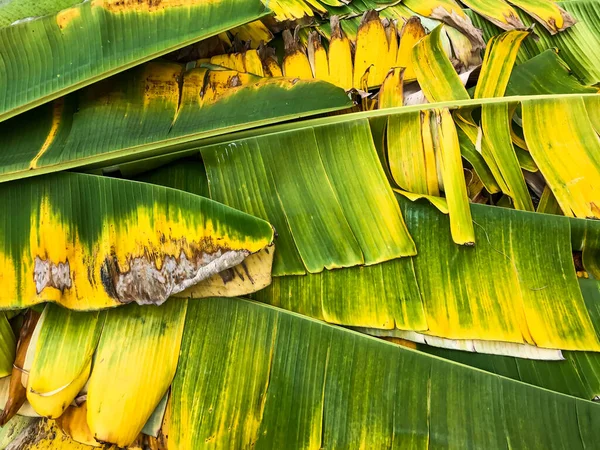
317 57
341 67
451 13
134 243
391 92
566 151
295 62
434 71
62 358
547 12
592 105
407 153
253 32
251 275
372 51
130 377
411 33
499 12
514 300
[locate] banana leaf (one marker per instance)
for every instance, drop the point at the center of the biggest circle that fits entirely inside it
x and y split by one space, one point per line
495 291
90 242
545 73
318 386
80 357
577 375
579 46
8 345
53 48
313 183
147 111
411 294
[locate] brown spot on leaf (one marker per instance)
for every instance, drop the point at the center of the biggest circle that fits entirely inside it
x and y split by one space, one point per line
145 283
48 274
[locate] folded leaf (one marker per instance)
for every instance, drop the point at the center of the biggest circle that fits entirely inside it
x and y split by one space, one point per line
130 377
566 151
61 358
548 13
434 71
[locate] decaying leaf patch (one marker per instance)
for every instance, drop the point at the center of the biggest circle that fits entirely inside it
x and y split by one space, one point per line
46 273
145 283
251 275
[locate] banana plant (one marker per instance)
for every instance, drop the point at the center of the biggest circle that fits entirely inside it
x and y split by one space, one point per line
189 260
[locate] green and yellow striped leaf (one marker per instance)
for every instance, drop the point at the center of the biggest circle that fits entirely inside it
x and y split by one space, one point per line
498 12
565 147
324 191
91 242
306 391
252 274
547 12
61 358
145 111
65 45
449 12
450 165
506 288
435 72
577 374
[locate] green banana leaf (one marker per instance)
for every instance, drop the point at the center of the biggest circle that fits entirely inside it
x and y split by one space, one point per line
326 190
495 291
318 386
577 375
145 111
412 293
53 48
